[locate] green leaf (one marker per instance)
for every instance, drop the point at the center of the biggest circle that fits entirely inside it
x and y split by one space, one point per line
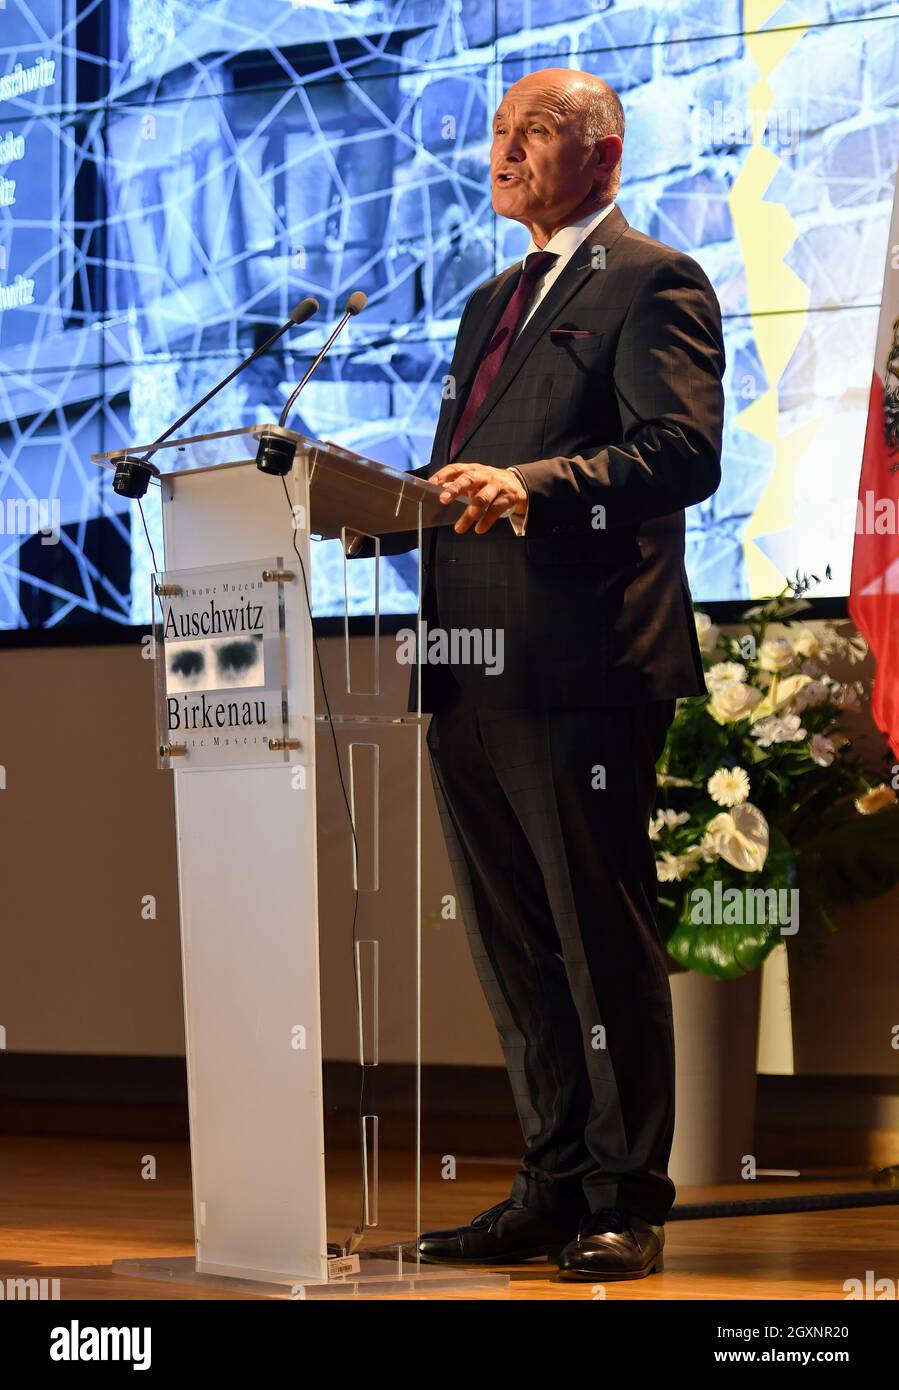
727 950
854 856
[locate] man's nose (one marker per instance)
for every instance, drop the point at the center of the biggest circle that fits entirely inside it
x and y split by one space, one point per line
509 147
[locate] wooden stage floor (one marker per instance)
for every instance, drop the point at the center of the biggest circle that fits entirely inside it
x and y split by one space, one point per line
69 1207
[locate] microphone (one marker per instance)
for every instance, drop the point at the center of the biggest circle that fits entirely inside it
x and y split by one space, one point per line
132 475
275 455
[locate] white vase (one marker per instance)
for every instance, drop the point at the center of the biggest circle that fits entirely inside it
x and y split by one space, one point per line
715 1040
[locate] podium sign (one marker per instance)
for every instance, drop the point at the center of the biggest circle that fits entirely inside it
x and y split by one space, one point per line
221 683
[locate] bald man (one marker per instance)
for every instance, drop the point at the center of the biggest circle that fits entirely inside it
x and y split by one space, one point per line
587 415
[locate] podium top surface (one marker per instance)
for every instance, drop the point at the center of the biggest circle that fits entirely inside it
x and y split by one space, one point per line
346 489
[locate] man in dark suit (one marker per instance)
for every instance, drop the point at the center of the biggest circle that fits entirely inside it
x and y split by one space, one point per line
587 415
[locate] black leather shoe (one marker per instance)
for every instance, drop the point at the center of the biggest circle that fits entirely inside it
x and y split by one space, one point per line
502 1235
613 1244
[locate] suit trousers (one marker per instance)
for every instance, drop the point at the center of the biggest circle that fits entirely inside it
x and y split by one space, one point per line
545 816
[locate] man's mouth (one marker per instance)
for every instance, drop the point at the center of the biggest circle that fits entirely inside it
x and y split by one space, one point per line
506 178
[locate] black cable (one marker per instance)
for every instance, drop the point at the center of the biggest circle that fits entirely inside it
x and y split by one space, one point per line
776 1206
147 534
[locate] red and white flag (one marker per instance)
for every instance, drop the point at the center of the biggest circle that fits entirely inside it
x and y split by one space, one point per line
874 588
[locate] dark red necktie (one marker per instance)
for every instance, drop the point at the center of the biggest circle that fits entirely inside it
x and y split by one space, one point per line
535 266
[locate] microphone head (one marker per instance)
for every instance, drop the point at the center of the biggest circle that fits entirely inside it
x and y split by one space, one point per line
356 302
304 310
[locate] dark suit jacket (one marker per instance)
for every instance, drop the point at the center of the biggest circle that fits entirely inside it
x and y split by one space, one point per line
610 405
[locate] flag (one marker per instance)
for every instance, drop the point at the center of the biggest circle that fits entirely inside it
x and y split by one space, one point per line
874 587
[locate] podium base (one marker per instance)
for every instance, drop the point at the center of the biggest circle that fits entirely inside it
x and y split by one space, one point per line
375 1278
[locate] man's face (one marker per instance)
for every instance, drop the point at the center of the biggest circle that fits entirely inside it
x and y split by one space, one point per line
540 169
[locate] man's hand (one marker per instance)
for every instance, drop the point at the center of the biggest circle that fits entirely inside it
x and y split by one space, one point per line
492 492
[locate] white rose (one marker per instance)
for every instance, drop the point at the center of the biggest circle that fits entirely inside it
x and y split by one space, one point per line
807 643
732 701
706 632
776 654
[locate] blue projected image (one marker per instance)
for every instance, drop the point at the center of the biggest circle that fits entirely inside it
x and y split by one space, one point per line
176 174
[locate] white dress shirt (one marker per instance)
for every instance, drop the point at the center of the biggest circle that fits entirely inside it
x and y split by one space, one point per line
564 243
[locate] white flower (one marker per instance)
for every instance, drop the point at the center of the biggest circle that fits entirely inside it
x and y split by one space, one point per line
691 857
672 819
668 867
709 847
671 867
807 643
821 750
776 654
653 829
815 693
780 695
848 696
732 701
741 837
729 786
706 632
778 728
724 671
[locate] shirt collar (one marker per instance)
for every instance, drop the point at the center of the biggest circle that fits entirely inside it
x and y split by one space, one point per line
566 241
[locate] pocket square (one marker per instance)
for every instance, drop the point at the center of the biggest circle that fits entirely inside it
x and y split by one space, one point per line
565 335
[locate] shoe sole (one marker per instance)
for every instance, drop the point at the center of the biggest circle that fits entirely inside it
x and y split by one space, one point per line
598 1276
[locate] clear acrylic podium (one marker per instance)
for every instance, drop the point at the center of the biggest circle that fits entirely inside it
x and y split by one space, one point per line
292 794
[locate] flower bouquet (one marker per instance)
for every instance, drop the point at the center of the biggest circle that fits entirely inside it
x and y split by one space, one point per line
762 808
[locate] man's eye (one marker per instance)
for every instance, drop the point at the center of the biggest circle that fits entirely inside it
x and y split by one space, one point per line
539 129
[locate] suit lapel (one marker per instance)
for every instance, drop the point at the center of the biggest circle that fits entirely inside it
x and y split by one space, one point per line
573 278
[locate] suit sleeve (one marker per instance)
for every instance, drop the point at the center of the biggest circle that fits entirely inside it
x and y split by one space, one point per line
669 363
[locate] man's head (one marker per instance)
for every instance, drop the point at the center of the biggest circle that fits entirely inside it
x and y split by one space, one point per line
556 154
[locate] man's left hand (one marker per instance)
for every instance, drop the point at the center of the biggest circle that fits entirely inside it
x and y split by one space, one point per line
492 493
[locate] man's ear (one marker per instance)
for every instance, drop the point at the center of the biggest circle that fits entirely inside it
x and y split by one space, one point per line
608 153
